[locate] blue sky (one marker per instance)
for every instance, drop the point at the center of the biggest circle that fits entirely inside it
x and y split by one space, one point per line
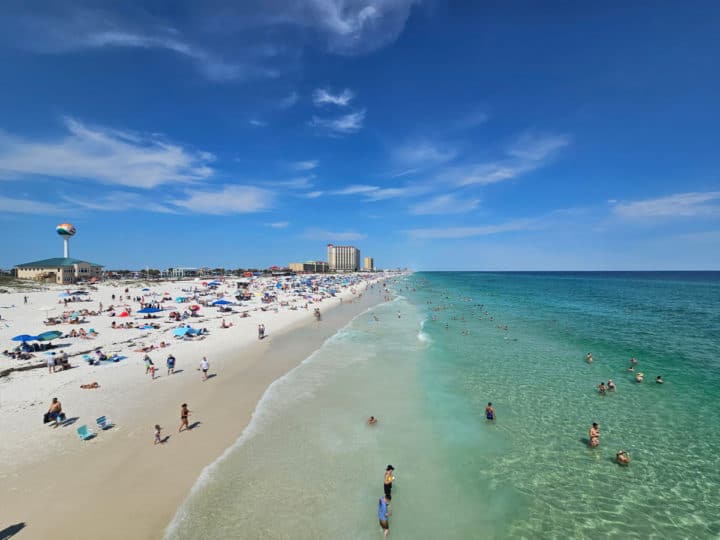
434 135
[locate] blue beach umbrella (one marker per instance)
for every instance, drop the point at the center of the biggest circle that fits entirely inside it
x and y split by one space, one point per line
24 337
145 289
181 331
149 310
49 335
221 302
147 327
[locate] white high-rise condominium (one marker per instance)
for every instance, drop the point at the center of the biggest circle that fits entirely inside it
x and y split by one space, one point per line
343 258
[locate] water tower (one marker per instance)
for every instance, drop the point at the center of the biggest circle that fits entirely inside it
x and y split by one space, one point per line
66 231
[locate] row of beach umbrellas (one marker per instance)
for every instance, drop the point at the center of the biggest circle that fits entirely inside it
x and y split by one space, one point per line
45 336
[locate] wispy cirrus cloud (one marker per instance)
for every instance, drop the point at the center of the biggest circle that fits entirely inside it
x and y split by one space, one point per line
423 153
257 123
305 165
102 155
342 125
263 35
322 96
230 199
288 101
435 233
313 194
529 152
333 236
445 204
377 193
279 224
16 205
120 201
678 205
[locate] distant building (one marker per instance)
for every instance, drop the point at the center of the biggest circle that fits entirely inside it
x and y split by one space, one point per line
61 270
369 264
179 273
310 267
343 258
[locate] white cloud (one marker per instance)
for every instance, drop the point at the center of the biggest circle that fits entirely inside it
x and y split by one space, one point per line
330 236
103 155
466 232
313 194
265 37
423 153
445 204
289 100
257 123
29 206
322 96
118 201
528 153
356 189
279 224
692 204
342 125
230 199
301 182
305 165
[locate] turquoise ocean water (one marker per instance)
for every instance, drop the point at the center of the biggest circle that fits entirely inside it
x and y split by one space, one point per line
309 467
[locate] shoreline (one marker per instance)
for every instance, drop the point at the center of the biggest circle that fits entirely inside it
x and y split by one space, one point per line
119 485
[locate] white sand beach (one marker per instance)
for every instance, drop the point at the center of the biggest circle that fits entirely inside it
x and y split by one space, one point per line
119 484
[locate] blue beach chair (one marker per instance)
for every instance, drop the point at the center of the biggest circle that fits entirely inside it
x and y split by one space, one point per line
104 422
84 433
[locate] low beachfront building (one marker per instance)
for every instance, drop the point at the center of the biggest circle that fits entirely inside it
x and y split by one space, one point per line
310 267
61 270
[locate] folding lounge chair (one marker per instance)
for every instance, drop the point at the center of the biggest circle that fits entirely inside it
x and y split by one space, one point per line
84 433
104 422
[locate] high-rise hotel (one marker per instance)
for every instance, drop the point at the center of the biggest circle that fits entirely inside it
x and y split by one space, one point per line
343 258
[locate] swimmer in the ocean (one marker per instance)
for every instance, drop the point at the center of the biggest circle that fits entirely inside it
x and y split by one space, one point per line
611 385
658 379
623 458
602 388
589 358
490 412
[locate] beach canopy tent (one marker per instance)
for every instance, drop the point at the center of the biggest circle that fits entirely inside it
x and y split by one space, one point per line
149 310
24 337
49 335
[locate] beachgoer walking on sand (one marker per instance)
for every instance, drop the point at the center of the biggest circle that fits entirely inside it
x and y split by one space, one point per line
148 364
595 435
55 411
205 366
388 480
384 513
261 331
158 434
25 299
51 363
184 413
170 364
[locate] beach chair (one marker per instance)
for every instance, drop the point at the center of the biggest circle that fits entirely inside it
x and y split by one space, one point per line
104 422
84 433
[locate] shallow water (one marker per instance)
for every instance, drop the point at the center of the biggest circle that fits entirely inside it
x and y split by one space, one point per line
309 466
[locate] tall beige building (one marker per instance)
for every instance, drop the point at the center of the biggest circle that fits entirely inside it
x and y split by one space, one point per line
343 258
369 264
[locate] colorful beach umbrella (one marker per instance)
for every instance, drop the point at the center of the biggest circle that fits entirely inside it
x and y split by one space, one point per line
194 307
49 336
124 314
149 310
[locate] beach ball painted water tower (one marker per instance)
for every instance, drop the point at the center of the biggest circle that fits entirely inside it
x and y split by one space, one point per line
66 232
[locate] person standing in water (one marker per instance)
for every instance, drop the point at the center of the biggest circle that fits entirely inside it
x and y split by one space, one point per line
490 411
595 435
384 513
388 481
589 358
